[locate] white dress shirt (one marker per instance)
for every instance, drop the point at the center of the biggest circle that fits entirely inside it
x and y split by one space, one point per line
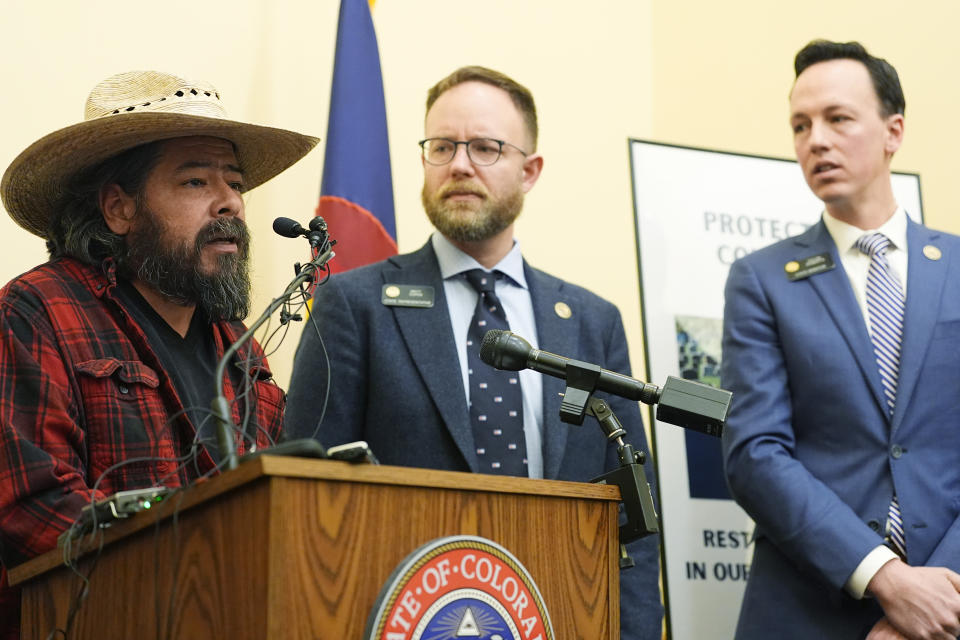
856 264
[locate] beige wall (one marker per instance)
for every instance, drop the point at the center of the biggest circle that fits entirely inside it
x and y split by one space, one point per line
700 73
272 62
722 72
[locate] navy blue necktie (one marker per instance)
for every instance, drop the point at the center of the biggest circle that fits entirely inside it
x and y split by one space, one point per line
885 304
496 403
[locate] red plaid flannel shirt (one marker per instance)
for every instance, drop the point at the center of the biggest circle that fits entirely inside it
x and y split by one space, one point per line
80 391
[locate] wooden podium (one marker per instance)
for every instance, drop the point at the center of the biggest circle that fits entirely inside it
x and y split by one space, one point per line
289 548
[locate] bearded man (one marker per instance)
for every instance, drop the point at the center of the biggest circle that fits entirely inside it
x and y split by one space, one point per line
108 351
402 336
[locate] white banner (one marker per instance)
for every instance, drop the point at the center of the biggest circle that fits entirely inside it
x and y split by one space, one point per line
696 212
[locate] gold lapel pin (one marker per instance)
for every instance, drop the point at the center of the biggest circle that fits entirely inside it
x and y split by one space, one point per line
563 310
932 252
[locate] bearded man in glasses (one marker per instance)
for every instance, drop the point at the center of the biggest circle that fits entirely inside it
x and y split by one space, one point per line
402 335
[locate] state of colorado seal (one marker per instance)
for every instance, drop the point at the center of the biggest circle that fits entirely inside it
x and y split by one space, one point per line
460 587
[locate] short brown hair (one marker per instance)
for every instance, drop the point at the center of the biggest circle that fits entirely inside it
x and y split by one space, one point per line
521 96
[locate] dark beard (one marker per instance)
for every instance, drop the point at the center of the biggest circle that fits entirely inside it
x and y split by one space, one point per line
175 271
460 223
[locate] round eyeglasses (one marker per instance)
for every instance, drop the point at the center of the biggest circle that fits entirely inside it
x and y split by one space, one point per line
481 151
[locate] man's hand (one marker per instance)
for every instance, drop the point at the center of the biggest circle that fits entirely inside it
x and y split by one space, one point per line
883 630
922 603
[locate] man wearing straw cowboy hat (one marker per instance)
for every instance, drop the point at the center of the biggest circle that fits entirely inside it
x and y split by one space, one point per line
107 351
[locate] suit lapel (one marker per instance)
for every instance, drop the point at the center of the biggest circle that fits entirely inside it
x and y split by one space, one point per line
429 339
838 299
925 282
556 335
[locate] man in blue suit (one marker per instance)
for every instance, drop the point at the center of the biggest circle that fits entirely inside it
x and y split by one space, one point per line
843 441
397 332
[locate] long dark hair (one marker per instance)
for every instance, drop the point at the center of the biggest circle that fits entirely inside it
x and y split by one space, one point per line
76 227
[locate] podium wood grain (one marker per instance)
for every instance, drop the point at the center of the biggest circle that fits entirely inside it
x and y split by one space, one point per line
290 548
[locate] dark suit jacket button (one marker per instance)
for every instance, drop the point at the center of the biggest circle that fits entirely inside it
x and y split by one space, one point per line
873 524
896 451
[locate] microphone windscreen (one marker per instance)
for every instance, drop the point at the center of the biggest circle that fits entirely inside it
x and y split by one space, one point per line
287 228
488 348
504 350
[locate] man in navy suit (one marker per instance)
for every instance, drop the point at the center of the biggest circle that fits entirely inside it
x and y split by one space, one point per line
843 441
396 332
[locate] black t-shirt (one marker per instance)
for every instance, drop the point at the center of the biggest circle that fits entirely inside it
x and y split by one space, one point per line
190 361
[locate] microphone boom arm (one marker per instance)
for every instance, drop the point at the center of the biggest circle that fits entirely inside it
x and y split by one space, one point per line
220 406
685 403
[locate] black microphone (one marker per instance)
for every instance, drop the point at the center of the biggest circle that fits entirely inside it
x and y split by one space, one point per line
289 228
317 224
506 350
316 234
684 403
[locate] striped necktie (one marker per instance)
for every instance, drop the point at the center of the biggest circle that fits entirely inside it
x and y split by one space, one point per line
885 304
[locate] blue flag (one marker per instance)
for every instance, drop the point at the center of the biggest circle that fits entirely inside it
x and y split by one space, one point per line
356 194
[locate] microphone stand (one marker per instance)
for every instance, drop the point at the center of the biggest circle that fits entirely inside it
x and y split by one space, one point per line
219 405
635 493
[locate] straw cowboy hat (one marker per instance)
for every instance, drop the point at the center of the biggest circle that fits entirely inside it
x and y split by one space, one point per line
127 110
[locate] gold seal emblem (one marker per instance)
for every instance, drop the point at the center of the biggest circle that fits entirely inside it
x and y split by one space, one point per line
563 310
460 587
932 252
791 267
392 291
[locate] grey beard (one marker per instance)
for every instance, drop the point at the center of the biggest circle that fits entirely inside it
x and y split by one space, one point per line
175 271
